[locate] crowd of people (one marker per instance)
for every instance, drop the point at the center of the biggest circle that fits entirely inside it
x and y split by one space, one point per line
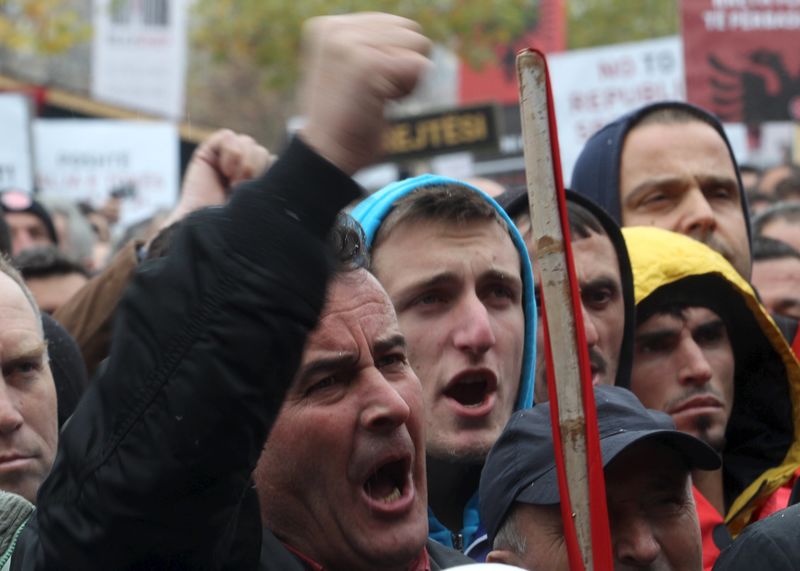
283 374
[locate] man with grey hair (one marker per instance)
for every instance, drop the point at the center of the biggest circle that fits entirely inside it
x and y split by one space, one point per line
28 419
647 466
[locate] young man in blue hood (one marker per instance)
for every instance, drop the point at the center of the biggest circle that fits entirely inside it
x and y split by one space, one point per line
459 276
670 165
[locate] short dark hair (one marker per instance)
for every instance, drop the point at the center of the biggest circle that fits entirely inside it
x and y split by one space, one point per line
788 211
765 248
582 222
453 203
789 187
46 261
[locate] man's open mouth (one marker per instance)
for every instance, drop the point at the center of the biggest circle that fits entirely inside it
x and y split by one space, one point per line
471 390
389 481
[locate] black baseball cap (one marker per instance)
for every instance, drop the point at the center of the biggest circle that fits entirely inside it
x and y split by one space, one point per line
521 465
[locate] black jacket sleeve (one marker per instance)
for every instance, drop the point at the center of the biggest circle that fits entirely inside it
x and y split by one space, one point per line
152 469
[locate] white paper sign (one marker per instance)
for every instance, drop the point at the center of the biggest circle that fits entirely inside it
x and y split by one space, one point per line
139 54
16 165
593 87
85 159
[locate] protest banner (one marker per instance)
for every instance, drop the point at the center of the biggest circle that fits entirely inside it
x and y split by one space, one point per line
742 61
594 86
16 166
88 159
139 54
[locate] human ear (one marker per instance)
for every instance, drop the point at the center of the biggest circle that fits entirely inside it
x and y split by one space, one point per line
504 556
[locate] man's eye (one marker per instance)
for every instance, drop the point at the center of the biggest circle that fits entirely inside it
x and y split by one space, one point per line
394 360
430 298
650 347
654 199
709 337
720 193
669 503
597 298
23 369
500 293
322 384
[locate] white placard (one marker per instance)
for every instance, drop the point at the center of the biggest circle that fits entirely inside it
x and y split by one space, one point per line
16 165
85 159
593 87
139 54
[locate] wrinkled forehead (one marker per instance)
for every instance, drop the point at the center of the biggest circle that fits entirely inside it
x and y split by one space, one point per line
646 465
356 307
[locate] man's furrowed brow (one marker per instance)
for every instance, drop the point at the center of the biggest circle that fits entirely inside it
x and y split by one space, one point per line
600 282
28 351
714 325
385 345
440 280
657 335
500 275
660 183
335 362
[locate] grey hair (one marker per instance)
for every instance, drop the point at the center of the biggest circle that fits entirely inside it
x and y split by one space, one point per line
9 270
508 537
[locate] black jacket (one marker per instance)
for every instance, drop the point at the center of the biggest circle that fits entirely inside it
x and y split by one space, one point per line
275 557
153 470
772 543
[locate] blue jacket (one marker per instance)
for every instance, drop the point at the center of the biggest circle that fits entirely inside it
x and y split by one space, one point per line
371 213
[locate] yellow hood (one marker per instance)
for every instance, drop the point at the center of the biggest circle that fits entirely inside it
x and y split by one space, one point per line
660 258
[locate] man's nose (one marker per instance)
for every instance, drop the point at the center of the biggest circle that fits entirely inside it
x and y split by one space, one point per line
21 241
634 542
385 409
694 367
474 333
589 327
697 217
10 417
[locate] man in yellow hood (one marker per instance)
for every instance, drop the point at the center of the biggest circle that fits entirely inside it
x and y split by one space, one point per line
710 355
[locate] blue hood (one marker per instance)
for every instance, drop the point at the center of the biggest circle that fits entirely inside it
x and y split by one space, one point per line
371 212
596 172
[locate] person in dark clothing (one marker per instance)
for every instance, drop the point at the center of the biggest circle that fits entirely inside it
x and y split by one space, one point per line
647 467
28 221
604 272
69 372
52 277
772 543
153 470
669 164
708 353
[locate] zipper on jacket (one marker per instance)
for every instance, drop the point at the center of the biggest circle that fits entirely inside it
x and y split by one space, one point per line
458 541
5 558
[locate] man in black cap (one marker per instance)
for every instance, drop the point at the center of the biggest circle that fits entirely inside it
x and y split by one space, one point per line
28 221
647 467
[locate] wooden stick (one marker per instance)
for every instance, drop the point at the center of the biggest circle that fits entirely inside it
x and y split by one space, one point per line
545 191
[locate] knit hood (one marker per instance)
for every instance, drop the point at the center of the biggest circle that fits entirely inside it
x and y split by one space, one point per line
515 202
597 171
